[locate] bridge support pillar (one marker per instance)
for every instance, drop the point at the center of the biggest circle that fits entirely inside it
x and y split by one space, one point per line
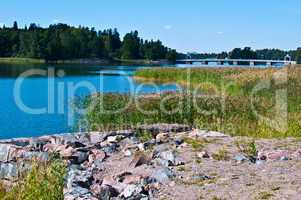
269 64
252 63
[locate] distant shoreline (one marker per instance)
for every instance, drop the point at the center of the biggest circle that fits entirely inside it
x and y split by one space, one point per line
18 60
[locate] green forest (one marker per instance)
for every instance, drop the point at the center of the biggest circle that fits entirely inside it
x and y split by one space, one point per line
248 53
64 42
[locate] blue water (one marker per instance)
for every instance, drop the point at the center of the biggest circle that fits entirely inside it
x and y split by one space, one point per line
17 122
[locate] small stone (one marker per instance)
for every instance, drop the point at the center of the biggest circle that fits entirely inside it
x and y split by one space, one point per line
106 192
203 154
172 184
259 162
95 137
171 158
139 159
163 175
96 155
112 139
284 158
131 191
79 157
141 147
201 177
178 141
127 153
132 179
75 144
277 155
240 158
110 149
66 152
162 137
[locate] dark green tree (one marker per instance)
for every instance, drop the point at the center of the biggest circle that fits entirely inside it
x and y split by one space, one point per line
298 55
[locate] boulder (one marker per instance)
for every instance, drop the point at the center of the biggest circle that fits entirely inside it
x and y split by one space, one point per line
139 159
162 137
6 152
207 134
163 175
9 171
171 158
79 157
96 155
105 192
132 191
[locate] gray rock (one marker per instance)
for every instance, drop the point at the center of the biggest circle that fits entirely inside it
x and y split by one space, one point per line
106 193
172 159
75 144
284 158
8 171
178 141
163 175
41 156
132 191
110 149
164 128
207 134
161 162
37 144
79 157
127 153
5 152
260 162
96 137
201 177
240 158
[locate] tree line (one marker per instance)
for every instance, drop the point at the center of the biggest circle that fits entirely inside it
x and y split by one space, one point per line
248 53
64 42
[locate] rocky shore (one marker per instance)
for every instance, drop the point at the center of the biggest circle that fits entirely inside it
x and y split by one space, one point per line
163 161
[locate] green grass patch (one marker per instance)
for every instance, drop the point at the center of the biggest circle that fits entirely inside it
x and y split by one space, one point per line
17 60
45 181
221 155
228 101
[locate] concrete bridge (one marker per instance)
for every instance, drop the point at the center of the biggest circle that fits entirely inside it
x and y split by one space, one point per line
237 62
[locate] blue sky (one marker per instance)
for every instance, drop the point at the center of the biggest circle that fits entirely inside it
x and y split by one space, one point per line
186 25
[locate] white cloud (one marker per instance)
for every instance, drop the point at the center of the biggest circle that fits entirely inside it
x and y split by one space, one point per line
220 33
1 24
168 27
55 21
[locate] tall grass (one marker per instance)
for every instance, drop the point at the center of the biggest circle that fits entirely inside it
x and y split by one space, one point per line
45 181
17 60
229 107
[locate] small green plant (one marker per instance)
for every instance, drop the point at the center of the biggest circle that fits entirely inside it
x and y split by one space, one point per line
265 195
221 155
45 181
247 147
196 144
144 136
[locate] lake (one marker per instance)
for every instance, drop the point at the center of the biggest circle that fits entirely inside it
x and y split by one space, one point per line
41 102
